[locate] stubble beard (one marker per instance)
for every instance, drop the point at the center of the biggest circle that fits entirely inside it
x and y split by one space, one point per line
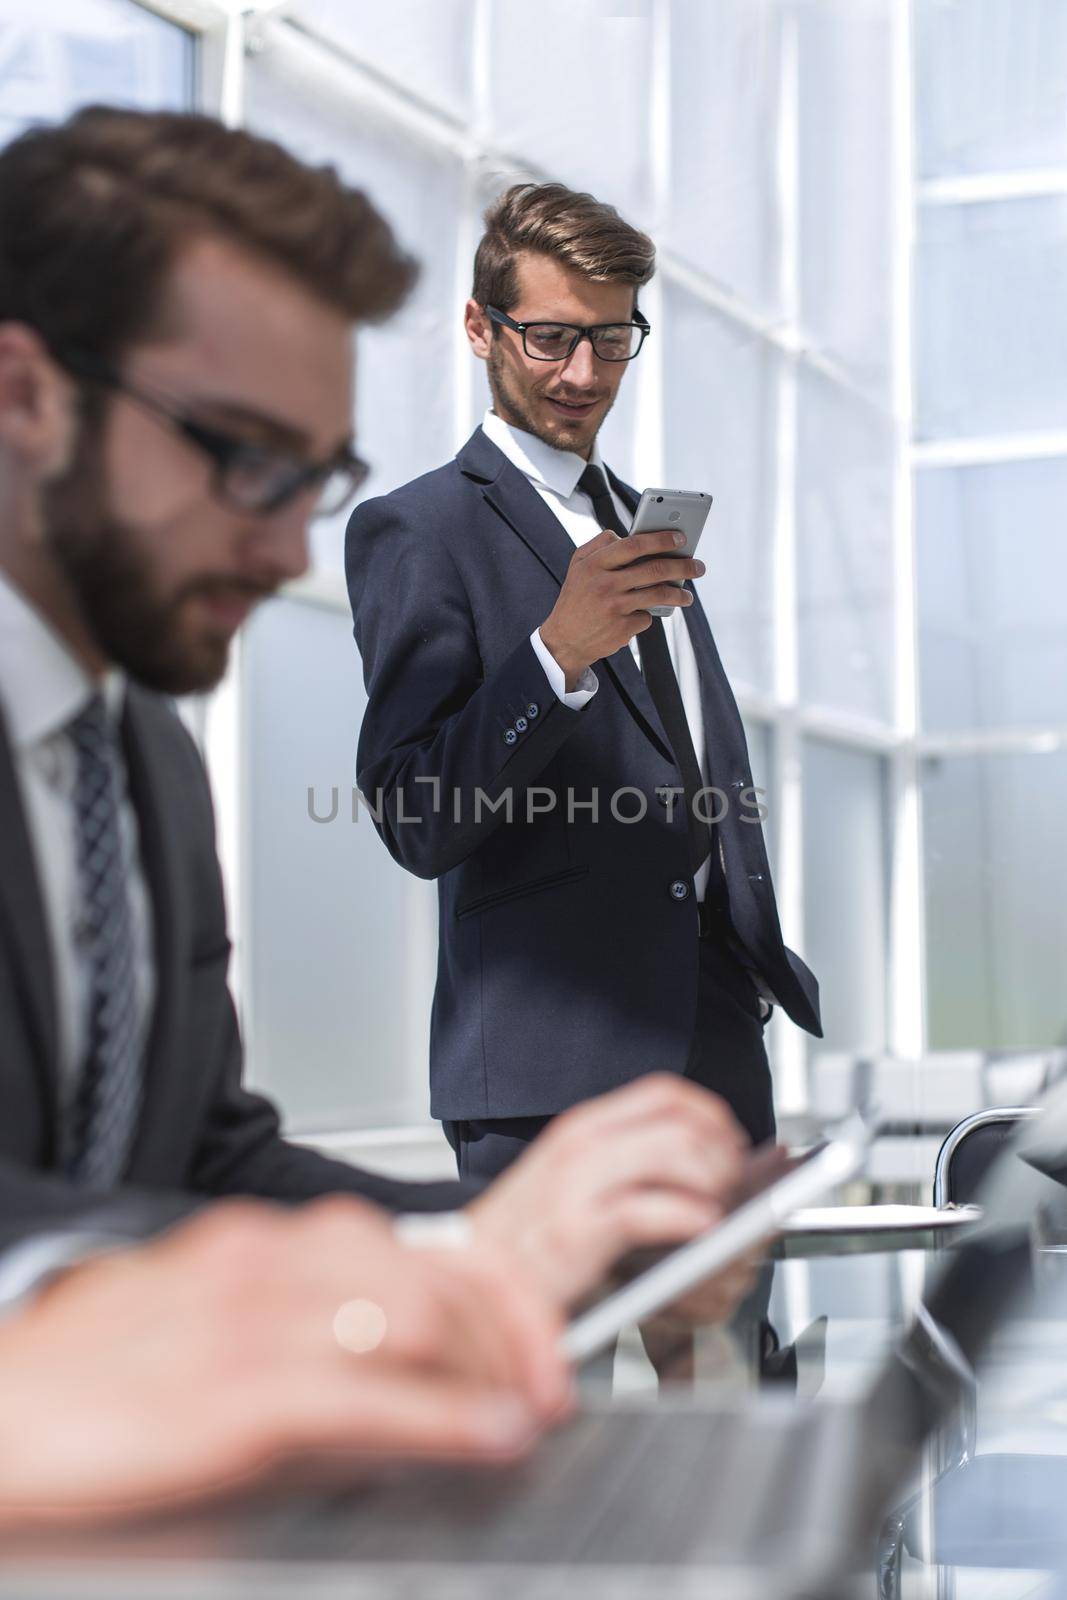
111 582
512 407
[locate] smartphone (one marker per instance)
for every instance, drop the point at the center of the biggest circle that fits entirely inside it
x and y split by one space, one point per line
673 508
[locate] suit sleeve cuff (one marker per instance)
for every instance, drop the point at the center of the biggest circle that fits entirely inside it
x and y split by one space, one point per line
440 1230
588 683
26 1268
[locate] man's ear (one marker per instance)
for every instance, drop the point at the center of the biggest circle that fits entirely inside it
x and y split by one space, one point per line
479 329
38 417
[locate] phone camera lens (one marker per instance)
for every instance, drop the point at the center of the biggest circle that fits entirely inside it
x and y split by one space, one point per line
659 499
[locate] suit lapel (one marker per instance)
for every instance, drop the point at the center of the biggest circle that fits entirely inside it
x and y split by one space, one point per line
514 498
22 916
159 824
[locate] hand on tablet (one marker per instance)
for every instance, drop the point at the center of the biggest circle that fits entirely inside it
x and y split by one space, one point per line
713 1301
652 1163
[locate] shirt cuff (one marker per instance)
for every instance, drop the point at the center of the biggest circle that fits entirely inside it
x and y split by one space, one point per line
437 1230
26 1268
588 683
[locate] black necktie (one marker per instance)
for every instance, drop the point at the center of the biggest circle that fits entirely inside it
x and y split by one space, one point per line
661 681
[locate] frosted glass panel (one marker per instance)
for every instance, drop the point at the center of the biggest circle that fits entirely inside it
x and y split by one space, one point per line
991 318
996 900
570 89
846 242
341 940
74 52
992 576
423 45
758 735
845 554
845 898
990 85
724 113
405 368
719 411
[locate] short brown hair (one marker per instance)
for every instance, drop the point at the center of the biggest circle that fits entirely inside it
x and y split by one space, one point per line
94 211
577 230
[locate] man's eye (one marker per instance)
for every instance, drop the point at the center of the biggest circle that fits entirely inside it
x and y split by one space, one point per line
550 334
257 455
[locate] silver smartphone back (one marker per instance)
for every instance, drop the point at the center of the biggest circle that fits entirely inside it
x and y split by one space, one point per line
673 508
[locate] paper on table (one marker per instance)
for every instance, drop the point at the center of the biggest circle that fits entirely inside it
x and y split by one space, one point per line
878 1219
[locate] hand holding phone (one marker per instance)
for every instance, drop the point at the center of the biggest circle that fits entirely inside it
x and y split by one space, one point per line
612 583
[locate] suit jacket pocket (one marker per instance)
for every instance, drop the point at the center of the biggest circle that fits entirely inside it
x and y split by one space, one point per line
516 891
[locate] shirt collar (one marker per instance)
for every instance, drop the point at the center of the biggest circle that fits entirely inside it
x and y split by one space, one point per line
558 470
42 686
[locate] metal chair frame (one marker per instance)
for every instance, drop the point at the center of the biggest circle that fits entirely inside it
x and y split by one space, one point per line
961 1133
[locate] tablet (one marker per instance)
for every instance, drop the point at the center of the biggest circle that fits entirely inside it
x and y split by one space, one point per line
754 1218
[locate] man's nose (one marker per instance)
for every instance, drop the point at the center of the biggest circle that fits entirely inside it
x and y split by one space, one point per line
278 542
580 367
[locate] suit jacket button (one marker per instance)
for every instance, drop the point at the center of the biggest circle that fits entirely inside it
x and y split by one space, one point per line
679 889
510 736
532 710
521 724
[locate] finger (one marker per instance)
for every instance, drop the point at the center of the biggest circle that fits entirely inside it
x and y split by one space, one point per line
640 545
652 1217
645 574
658 1094
634 601
409 1416
665 1154
479 1333
604 539
531 1328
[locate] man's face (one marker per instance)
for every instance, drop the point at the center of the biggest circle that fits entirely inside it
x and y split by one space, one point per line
162 570
563 403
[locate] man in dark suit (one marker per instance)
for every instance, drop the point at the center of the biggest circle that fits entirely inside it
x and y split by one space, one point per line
157 274
537 742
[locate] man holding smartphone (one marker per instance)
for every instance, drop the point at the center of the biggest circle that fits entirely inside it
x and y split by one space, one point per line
547 749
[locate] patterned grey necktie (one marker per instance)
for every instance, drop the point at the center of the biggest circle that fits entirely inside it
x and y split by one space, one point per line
107 1106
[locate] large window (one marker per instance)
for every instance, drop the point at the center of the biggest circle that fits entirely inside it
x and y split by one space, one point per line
859 348
991 477
74 52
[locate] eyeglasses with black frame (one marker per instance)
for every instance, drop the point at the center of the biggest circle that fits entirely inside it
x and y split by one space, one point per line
555 341
247 476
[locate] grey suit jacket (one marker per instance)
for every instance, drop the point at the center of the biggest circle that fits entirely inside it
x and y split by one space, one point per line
201 1133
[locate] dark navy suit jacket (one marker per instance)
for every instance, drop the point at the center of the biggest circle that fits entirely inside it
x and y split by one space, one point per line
202 1133
568 945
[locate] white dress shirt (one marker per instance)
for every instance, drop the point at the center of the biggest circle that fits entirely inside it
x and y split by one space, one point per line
42 689
554 474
